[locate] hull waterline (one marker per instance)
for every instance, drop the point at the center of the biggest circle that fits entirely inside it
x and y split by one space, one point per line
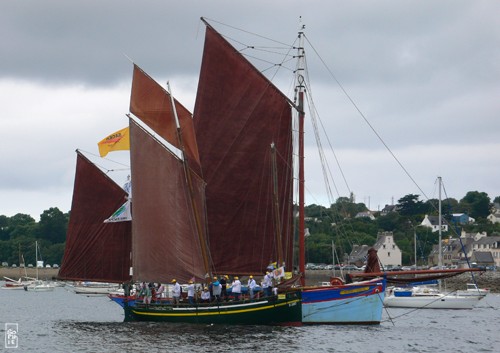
354 304
267 311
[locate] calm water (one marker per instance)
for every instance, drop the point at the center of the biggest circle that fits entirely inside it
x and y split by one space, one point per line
61 321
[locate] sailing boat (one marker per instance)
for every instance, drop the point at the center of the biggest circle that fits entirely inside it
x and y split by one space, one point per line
11 283
38 285
177 231
427 297
209 198
249 193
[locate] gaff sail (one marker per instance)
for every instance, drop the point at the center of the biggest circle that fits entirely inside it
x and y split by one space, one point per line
95 251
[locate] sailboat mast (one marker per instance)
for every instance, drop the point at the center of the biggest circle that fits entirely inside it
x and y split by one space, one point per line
415 245
187 172
440 254
276 206
300 90
36 258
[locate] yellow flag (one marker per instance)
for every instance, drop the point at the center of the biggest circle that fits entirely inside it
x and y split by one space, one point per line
117 141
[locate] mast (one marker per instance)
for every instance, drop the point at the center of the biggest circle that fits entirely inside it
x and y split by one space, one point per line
276 206
36 258
300 90
187 173
440 253
415 245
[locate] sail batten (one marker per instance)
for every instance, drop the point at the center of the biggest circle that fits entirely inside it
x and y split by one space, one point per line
96 251
238 114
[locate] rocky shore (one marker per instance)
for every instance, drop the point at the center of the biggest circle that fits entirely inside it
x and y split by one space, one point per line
488 279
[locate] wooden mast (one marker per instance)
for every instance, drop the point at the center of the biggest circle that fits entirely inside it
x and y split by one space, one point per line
300 90
279 243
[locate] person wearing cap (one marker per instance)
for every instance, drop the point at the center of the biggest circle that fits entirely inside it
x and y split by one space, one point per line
223 285
190 292
251 286
236 288
267 284
216 289
176 292
205 295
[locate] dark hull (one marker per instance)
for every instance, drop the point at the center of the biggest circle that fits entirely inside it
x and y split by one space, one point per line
282 310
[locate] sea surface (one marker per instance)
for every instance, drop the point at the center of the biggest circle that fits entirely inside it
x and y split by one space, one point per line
61 321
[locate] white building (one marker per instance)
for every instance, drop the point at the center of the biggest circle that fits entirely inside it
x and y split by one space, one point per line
433 222
388 252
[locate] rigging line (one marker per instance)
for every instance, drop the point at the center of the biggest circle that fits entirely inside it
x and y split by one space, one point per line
366 120
285 45
127 167
386 310
315 114
324 161
245 31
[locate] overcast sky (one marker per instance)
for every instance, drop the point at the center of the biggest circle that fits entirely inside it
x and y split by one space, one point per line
425 74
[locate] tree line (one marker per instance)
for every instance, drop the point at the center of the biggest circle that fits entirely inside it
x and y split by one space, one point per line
334 230
336 225
19 233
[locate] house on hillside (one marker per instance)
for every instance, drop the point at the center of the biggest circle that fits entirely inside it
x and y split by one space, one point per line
461 219
358 255
433 222
489 245
453 252
388 252
482 258
494 216
365 214
388 209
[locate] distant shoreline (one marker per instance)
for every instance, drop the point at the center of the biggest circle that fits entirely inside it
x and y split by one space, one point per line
15 273
488 279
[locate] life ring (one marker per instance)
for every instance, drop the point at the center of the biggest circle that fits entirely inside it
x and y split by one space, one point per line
335 281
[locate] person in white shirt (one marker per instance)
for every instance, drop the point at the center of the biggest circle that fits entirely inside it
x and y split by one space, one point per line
267 284
176 292
190 292
159 292
205 295
251 286
236 288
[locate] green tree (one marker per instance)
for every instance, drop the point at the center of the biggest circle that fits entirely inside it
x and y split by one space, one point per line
344 208
410 205
52 226
4 228
21 225
476 204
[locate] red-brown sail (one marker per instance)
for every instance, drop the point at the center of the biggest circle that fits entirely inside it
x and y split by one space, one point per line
152 104
238 114
165 242
96 251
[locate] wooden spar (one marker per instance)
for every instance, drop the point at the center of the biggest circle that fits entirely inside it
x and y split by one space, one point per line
301 89
414 272
276 206
187 172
